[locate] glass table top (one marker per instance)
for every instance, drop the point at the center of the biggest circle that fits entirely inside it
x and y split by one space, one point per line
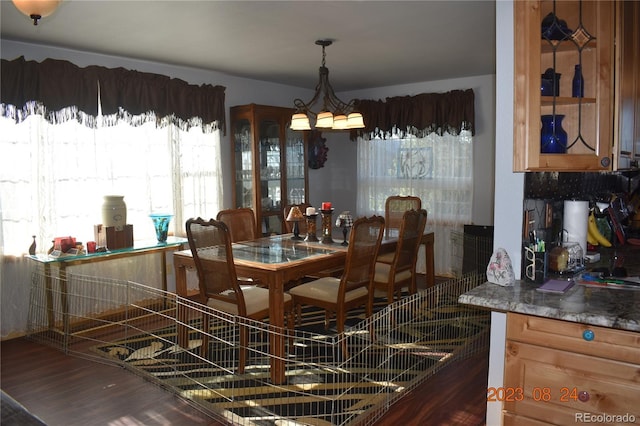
137 246
276 249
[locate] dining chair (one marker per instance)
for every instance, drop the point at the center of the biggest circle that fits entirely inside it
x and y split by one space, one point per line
302 225
241 223
220 289
339 295
395 270
394 208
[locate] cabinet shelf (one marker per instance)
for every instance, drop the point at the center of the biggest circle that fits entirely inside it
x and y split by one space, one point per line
565 100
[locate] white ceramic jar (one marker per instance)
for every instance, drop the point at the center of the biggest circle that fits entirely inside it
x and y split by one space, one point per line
114 211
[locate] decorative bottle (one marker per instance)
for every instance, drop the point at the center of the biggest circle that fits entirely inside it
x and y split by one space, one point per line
553 138
577 90
114 211
32 247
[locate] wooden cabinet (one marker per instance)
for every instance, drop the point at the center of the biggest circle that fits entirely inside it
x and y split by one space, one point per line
269 163
555 370
582 34
627 86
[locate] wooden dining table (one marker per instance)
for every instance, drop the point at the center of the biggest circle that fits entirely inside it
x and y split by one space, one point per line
275 261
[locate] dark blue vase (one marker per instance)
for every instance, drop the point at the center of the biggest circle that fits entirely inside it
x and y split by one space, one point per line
553 138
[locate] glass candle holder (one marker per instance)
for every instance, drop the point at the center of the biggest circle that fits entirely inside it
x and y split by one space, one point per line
326 226
161 225
311 228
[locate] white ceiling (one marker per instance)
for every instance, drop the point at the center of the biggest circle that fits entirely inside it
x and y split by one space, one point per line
376 43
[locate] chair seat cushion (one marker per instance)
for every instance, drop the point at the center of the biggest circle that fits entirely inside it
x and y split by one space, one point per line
326 290
386 257
255 298
382 271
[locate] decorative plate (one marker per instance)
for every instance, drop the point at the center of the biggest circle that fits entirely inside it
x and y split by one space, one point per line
317 150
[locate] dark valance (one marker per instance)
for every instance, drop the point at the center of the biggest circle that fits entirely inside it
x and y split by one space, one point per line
56 85
417 115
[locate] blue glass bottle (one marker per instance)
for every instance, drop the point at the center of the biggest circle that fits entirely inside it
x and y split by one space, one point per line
577 89
553 138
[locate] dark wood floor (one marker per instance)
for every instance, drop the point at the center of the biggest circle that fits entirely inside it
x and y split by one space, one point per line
67 390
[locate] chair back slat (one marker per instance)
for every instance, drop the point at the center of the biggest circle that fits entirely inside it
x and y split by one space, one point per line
411 230
394 209
210 245
241 223
364 244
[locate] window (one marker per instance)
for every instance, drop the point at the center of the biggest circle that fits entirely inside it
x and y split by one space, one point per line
436 168
53 177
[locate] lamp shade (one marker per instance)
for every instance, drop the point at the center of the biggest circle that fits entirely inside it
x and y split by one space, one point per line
295 215
340 122
39 8
300 122
355 121
345 219
325 120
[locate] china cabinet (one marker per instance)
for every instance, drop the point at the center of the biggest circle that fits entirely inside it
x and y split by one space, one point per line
269 164
560 372
556 41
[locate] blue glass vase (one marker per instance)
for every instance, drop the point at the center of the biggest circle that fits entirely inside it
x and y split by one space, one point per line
553 138
161 224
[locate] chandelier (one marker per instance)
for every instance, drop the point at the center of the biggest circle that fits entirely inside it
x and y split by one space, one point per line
335 114
36 9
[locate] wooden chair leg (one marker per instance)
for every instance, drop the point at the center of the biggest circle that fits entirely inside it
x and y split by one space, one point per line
243 349
204 349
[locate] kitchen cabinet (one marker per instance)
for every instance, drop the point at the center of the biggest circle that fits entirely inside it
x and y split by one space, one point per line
269 163
556 370
582 34
627 87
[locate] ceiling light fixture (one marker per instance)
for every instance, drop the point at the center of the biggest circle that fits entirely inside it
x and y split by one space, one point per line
335 114
36 9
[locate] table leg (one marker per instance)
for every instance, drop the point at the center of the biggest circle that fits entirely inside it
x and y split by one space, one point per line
64 303
276 318
182 309
428 240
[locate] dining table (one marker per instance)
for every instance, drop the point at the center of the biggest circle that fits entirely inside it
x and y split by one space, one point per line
275 261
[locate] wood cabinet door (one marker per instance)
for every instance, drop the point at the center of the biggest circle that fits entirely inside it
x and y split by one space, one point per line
587 120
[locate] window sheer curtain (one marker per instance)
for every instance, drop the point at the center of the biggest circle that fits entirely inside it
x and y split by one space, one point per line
53 177
433 161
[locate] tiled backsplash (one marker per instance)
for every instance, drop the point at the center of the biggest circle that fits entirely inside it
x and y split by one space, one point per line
555 186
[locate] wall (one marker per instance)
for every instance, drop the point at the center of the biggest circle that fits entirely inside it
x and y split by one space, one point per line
508 189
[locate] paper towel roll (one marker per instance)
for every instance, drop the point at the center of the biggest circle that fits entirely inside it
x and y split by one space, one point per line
575 222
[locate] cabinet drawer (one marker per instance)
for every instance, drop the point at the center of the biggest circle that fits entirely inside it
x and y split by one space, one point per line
546 384
607 343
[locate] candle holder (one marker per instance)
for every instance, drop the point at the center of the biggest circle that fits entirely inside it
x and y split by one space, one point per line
326 226
345 221
311 228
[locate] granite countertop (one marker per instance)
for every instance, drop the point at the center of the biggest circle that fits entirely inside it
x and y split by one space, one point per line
607 307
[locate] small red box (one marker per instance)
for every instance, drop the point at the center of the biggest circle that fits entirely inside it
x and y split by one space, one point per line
113 239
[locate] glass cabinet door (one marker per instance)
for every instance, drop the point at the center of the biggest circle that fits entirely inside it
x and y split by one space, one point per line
296 179
243 164
270 176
